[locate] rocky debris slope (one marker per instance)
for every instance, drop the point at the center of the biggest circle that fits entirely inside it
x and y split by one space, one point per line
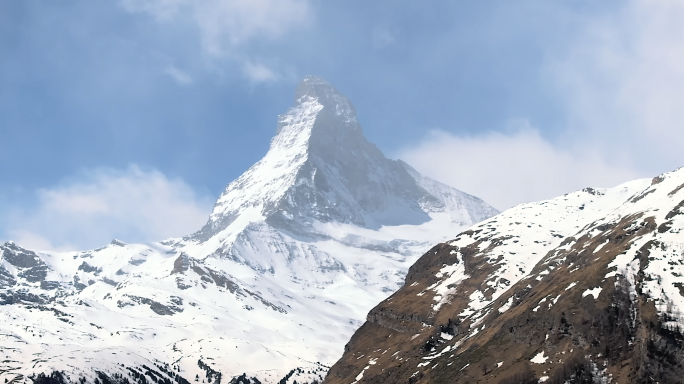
294 254
584 288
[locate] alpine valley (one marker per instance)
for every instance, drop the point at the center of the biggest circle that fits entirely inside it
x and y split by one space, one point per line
584 288
295 253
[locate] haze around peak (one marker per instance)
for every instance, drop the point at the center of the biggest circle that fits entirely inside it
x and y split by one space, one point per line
321 168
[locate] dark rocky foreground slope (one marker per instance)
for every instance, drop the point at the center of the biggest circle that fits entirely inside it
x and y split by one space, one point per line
584 288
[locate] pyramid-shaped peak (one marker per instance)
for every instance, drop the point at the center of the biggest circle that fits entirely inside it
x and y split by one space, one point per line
313 94
320 167
312 85
316 87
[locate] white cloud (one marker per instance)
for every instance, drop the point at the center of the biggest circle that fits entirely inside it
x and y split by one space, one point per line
622 82
179 76
508 169
258 73
132 205
229 23
33 241
226 26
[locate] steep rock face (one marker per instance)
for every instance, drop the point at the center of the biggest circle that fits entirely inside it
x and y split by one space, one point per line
320 167
294 254
583 288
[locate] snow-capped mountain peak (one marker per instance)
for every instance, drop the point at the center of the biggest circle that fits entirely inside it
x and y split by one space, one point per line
316 88
320 167
295 252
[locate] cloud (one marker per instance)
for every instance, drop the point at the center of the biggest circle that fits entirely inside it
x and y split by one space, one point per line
226 26
621 80
258 73
33 241
179 76
229 23
508 169
133 205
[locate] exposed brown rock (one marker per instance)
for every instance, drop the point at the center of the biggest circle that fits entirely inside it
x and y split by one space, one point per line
548 325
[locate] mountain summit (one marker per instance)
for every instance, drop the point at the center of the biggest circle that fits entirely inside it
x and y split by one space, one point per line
295 252
320 167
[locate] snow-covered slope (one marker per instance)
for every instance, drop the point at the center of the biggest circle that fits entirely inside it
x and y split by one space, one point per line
586 287
294 254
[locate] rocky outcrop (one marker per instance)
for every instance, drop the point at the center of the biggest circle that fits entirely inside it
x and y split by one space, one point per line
28 264
320 167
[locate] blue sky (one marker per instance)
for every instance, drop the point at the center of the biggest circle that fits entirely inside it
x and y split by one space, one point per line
510 101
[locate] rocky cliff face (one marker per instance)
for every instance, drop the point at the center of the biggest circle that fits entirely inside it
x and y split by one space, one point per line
583 288
320 168
294 254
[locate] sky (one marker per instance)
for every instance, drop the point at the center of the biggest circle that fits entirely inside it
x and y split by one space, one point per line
127 118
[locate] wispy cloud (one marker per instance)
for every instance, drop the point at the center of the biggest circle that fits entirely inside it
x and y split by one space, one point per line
226 26
133 205
259 73
179 76
622 82
619 82
508 169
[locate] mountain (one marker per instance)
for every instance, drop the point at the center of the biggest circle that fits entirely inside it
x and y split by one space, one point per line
584 288
294 254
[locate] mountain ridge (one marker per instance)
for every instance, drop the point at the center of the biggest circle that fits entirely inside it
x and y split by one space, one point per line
295 252
330 170
585 287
